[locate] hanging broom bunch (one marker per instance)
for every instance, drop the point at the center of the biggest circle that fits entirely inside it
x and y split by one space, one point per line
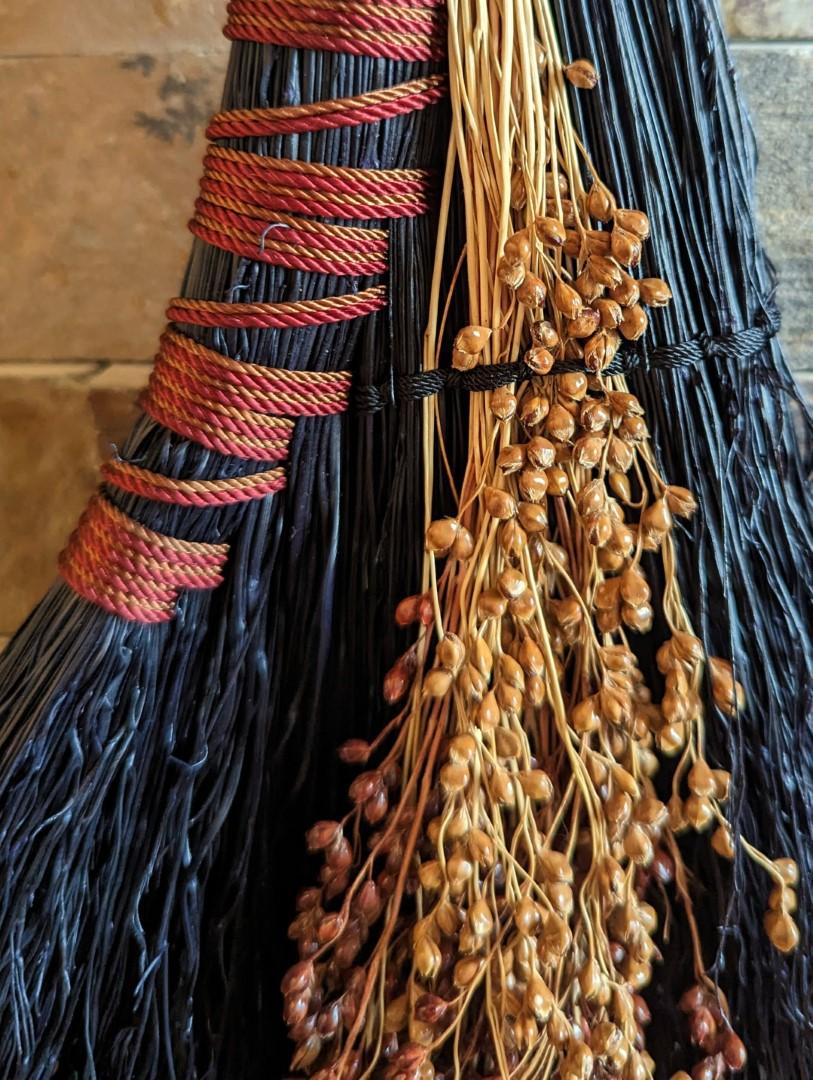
485 908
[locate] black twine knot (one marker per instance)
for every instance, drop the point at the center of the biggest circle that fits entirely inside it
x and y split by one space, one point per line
738 345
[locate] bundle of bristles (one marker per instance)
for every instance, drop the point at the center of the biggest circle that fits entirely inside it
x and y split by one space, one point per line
484 908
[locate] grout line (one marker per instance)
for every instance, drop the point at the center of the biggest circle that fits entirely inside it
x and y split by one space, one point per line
118 54
771 44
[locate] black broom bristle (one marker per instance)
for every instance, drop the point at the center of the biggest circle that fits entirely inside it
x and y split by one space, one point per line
154 781
667 127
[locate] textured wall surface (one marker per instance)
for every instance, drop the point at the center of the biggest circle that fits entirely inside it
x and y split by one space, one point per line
102 135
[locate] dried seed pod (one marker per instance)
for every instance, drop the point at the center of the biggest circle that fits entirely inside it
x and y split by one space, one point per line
573 349
354 752
634 221
567 214
511 273
539 360
489 713
573 244
699 812
463 361
503 403
532 292
591 498
598 351
427 957
721 842
654 292
587 288
537 785
610 312
782 898
598 529
588 451
625 246
600 202
533 517
550 231
511 458
620 455
441 535
323 835
581 74
734 1052
633 587
538 998
728 694
555 866
573 385
566 299
626 292
533 485
499 503
782 931
594 415
701 779
451 652
472 339
518 248
680 500
585 323
633 429
543 333
658 516
633 323
560 425
510 701
531 657
463 545
638 618
558 481
511 583
540 452
437 683
533 411
788 870
586 715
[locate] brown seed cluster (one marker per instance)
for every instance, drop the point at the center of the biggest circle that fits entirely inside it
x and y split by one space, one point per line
487 908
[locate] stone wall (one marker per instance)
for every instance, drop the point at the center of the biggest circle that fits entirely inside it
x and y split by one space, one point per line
102 133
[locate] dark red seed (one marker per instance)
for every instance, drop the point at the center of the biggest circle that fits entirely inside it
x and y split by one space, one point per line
640 1010
299 977
430 1009
409 610
354 751
692 999
322 835
375 809
702 1026
734 1052
365 786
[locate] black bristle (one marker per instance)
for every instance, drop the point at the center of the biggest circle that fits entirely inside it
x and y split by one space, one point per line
667 130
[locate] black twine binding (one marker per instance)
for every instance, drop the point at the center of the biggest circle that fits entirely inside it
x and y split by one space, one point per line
739 345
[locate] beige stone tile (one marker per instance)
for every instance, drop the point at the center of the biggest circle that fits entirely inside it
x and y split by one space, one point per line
98 178
776 82
768 19
49 455
113 396
82 27
47 370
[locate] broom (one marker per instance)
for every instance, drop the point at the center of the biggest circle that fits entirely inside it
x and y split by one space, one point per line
152 702
502 915
731 425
